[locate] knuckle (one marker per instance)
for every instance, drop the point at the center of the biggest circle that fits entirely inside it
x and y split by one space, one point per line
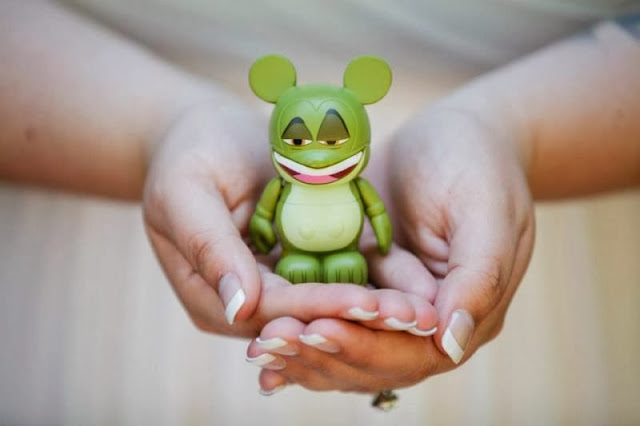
202 249
489 285
202 324
497 329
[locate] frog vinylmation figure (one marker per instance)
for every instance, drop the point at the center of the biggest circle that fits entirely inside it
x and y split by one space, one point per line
320 138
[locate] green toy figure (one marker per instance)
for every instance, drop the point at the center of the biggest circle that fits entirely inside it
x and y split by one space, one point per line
320 138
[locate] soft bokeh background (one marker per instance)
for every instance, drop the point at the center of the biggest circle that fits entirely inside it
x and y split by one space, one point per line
91 333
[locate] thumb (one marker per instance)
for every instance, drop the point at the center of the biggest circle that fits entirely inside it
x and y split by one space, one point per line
199 223
481 259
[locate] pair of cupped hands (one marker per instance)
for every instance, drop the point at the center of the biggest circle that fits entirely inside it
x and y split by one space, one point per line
462 212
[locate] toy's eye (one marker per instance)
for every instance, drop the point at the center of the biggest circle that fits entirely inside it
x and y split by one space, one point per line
296 133
332 129
334 142
297 142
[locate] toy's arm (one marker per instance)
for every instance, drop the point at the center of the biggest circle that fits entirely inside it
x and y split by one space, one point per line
260 228
374 209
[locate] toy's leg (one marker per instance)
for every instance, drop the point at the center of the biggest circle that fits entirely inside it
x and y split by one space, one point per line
345 267
299 268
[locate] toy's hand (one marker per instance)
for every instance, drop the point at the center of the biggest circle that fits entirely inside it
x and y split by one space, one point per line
382 228
262 234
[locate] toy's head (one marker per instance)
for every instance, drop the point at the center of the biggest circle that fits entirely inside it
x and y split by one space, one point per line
319 133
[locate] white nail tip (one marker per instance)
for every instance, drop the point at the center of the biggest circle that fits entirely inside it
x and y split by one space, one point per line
423 333
273 343
312 339
234 306
261 360
363 315
399 325
269 392
451 347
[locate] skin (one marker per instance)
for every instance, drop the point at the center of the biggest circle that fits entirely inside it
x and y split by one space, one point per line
318 126
556 138
187 150
472 164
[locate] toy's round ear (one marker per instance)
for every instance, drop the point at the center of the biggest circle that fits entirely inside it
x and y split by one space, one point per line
369 77
270 76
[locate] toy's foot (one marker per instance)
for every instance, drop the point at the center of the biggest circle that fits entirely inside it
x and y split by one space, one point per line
345 267
299 268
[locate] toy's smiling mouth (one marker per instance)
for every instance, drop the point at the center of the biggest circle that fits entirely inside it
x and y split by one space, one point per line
310 175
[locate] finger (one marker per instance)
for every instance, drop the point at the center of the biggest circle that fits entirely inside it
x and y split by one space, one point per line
426 317
201 226
407 359
304 365
397 312
495 319
271 382
279 336
381 309
401 270
199 298
313 300
340 355
482 256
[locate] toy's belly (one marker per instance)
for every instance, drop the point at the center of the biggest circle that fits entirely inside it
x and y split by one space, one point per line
321 221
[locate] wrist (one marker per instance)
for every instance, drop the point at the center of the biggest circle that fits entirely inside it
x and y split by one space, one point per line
507 125
188 98
207 119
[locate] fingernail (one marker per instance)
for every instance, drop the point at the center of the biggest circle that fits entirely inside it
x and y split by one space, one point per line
268 361
363 315
457 335
232 296
320 342
269 392
396 324
277 345
422 333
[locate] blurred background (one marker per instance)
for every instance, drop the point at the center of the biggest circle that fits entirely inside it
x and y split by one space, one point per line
91 333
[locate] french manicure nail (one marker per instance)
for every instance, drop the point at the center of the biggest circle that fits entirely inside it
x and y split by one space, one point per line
422 333
396 324
269 392
320 342
273 343
232 296
363 315
277 345
268 361
457 335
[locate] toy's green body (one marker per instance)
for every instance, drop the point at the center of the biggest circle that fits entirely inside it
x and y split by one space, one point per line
320 138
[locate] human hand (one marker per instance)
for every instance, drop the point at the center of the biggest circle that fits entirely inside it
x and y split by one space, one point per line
199 191
464 209
198 199
333 354
463 204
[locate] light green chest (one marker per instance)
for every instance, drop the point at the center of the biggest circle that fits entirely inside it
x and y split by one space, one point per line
321 218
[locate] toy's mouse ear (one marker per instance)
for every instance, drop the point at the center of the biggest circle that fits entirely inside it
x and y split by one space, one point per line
270 76
369 77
